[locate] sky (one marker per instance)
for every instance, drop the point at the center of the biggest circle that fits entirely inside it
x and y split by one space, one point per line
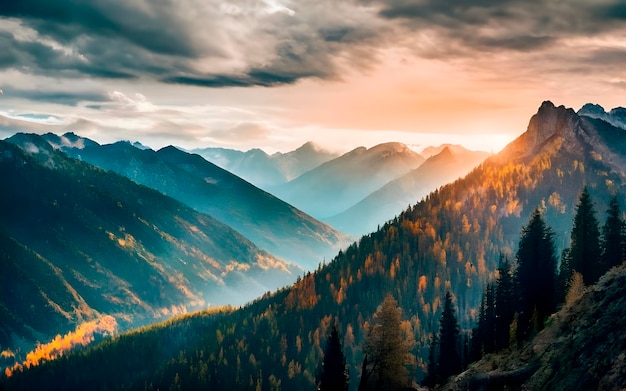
274 74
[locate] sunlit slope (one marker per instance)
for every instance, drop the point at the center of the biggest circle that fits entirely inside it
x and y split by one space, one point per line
78 241
452 240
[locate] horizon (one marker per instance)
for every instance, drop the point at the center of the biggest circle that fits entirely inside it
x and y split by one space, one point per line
273 74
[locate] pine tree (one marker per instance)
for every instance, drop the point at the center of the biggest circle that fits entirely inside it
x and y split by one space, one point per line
433 355
564 277
333 375
612 238
387 349
535 276
449 357
505 304
584 253
489 322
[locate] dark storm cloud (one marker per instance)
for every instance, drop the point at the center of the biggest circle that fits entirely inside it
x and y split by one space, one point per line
66 98
240 43
518 25
212 44
65 20
253 78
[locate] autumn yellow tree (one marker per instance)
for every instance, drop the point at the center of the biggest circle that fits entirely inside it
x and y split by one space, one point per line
387 350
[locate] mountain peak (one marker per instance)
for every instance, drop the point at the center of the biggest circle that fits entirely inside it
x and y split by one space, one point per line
549 123
390 146
309 146
615 117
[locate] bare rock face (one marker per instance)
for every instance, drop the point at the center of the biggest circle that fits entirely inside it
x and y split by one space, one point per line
550 129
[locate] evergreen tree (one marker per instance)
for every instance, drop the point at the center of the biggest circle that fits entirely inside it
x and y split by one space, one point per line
612 237
489 321
449 358
333 375
584 253
387 349
535 275
564 277
505 304
433 354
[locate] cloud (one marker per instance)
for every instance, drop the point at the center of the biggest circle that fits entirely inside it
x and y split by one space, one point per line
242 43
211 44
244 132
509 24
67 98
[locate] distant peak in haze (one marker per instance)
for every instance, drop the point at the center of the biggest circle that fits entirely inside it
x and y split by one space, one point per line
309 146
453 149
616 117
390 146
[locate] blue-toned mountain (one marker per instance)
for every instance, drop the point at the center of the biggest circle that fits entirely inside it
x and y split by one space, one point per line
267 221
79 243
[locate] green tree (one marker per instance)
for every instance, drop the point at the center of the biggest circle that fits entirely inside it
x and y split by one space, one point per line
449 358
612 237
505 304
387 349
333 374
487 321
535 276
584 250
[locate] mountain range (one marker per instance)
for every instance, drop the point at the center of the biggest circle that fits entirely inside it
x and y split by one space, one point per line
340 183
267 221
451 240
444 165
267 171
79 242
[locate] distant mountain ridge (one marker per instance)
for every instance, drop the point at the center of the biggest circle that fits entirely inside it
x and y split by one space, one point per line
263 170
449 163
269 222
340 183
616 116
78 242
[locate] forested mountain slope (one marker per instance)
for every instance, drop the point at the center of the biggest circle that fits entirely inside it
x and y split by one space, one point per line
450 241
270 223
78 243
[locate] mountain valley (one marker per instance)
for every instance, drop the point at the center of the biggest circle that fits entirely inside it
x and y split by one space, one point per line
450 241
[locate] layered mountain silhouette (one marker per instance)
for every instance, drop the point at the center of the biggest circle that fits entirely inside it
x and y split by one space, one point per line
78 242
267 171
340 183
264 219
447 164
451 240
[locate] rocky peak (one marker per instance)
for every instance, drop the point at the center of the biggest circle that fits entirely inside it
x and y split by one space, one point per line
592 110
549 123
